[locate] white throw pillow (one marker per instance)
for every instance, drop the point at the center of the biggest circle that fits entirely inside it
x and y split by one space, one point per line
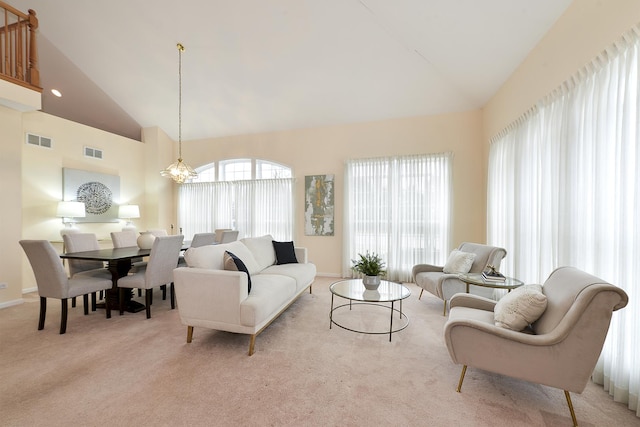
459 262
520 307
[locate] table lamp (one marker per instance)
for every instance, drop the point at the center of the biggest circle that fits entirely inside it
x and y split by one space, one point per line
68 211
128 212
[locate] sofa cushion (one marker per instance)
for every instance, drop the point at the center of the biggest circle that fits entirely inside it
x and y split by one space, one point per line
303 274
262 250
212 256
459 262
268 296
233 263
285 252
520 307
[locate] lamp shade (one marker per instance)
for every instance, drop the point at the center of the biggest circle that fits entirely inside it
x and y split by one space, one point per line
128 211
71 210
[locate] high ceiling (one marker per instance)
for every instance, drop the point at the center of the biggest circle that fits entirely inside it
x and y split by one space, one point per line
265 65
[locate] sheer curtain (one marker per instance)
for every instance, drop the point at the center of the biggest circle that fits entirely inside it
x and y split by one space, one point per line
564 189
255 207
399 208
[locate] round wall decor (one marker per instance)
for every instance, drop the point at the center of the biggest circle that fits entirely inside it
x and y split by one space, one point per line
96 196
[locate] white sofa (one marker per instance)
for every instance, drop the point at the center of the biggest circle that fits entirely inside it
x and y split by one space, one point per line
211 297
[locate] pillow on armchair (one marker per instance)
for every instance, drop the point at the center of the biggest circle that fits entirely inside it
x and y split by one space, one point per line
520 307
459 262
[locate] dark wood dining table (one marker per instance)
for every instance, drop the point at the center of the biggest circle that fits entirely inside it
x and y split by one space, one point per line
119 262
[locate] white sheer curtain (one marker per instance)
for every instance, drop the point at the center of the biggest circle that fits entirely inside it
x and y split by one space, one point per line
399 208
564 189
254 208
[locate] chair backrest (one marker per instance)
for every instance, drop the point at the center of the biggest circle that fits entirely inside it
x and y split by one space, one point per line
202 239
124 239
229 236
218 232
158 232
485 255
162 260
569 291
80 242
51 277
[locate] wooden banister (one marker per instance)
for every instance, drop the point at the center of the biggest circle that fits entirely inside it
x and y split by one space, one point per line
18 47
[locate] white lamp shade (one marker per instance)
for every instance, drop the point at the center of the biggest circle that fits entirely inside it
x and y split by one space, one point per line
128 211
71 210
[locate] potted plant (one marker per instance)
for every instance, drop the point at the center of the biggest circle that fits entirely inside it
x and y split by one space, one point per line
371 266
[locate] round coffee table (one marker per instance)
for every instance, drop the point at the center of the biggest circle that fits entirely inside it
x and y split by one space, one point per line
354 291
477 280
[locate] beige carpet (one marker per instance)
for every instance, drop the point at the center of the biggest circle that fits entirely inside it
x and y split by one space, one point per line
132 371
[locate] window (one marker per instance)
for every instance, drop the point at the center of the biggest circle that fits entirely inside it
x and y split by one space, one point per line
254 207
398 207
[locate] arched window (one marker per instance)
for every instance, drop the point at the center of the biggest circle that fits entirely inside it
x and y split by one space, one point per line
241 169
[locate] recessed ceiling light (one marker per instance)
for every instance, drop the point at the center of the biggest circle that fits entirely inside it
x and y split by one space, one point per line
56 92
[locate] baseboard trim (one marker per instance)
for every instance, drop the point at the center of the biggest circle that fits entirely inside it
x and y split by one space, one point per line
11 303
29 290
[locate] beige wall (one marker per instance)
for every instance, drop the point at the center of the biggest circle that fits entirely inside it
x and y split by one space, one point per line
324 151
585 29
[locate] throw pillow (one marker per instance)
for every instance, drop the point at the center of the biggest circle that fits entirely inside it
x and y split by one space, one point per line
459 262
285 252
520 307
233 263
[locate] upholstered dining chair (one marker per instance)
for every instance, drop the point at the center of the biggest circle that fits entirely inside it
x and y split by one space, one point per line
559 349
80 242
159 271
158 232
229 236
444 285
218 232
202 239
126 239
52 280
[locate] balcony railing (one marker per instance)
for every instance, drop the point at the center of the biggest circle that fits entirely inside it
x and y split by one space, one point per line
18 47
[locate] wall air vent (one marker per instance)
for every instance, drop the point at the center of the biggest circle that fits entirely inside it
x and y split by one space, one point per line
93 152
41 141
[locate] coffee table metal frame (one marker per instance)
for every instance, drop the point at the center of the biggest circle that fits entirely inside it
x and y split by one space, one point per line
354 291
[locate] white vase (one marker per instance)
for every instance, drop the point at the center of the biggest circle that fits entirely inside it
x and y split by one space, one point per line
371 282
145 240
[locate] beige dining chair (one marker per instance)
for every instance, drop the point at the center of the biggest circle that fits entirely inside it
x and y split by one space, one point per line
218 232
203 239
80 242
229 236
127 239
52 280
159 271
158 232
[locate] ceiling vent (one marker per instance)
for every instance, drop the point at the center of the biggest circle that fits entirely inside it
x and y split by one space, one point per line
95 153
41 141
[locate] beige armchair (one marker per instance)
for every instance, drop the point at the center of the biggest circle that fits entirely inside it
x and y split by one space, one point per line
560 349
431 278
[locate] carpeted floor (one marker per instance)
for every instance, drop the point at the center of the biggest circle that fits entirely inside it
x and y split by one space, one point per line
131 371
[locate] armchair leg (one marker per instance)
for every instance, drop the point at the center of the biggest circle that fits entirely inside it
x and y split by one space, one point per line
573 414
43 313
444 310
464 371
420 296
189 334
63 316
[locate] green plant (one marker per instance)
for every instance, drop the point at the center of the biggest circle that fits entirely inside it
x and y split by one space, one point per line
369 264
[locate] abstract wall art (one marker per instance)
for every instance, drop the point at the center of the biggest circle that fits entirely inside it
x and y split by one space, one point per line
99 192
319 205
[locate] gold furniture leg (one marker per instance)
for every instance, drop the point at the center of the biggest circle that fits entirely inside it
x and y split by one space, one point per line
189 334
252 344
464 370
420 296
444 311
573 414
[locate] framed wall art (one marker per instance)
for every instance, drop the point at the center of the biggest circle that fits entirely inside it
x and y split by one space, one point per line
319 205
99 192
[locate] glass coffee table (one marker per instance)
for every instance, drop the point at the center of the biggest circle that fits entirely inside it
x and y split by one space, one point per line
387 294
477 280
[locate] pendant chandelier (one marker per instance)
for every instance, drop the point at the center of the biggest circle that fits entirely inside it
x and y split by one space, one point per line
179 171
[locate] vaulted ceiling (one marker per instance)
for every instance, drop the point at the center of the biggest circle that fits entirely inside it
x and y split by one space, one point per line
265 65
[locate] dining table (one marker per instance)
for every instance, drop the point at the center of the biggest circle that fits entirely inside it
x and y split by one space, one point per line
119 261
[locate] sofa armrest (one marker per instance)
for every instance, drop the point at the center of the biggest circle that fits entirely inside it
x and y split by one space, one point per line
301 255
211 295
424 268
472 301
